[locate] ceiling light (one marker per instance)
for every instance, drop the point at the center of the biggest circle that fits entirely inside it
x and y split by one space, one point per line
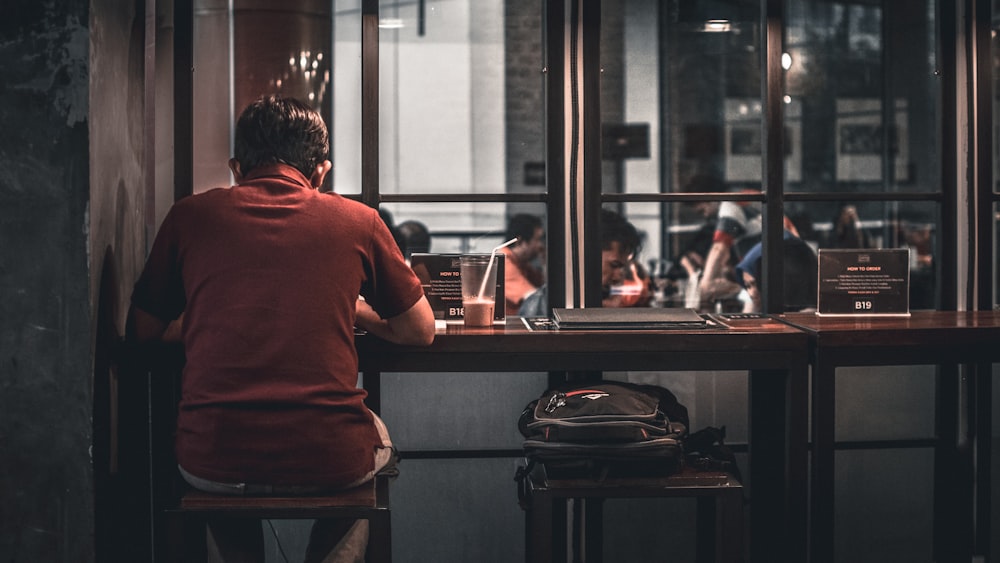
390 23
717 26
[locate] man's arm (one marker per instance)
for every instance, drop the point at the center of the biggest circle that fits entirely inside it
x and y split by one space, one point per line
144 327
718 254
714 284
414 326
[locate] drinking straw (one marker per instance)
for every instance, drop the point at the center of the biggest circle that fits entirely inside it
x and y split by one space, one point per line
489 266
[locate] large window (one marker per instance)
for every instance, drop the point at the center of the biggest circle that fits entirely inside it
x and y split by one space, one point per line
684 108
676 114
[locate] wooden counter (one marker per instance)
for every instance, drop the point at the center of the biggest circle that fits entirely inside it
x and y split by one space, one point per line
775 353
924 338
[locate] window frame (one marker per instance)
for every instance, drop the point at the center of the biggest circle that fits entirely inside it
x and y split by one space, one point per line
965 274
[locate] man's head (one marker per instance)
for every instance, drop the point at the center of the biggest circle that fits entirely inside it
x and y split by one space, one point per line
276 129
530 235
620 242
416 235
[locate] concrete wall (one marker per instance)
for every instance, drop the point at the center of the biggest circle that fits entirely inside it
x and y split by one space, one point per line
70 190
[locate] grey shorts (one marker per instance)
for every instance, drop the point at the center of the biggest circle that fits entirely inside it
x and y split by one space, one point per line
385 462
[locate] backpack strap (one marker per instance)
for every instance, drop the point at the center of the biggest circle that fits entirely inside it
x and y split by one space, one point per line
706 450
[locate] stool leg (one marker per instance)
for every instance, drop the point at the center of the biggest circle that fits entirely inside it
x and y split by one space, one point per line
545 529
192 543
708 536
379 539
593 531
729 511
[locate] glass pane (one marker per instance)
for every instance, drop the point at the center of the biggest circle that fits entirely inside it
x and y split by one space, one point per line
242 51
675 265
677 242
345 129
488 226
680 94
449 88
485 228
912 225
213 116
861 83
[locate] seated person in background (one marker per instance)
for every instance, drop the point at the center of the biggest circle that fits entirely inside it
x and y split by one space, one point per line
416 238
737 228
620 243
847 231
267 275
624 283
521 275
800 270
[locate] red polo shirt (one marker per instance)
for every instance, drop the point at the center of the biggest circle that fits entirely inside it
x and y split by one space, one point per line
268 273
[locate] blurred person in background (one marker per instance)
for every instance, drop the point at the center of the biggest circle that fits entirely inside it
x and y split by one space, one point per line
523 272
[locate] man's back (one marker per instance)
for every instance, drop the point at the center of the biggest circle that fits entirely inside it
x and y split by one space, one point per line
262 282
271 270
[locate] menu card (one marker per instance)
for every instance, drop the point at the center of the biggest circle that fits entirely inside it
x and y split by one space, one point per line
864 282
441 279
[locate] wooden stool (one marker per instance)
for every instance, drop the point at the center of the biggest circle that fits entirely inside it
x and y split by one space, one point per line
185 523
720 512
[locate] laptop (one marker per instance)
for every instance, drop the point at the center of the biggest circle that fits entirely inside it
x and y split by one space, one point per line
599 318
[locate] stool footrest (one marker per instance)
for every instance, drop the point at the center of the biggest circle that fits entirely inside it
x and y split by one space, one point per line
720 496
184 522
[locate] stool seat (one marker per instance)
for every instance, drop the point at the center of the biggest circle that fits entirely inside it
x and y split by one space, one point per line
719 521
185 522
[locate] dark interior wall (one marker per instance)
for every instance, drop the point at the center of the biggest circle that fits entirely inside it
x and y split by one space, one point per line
69 179
45 477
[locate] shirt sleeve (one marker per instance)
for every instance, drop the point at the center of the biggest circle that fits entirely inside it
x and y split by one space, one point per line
392 287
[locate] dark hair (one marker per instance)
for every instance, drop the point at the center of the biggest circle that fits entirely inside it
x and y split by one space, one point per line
416 236
276 129
615 228
523 226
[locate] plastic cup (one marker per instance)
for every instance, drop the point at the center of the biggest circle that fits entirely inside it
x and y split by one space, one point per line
478 296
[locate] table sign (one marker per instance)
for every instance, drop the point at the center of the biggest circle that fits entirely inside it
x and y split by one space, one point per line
864 282
441 279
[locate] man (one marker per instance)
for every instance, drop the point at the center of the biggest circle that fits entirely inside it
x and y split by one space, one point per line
521 276
624 283
620 242
263 280
416 238
737 229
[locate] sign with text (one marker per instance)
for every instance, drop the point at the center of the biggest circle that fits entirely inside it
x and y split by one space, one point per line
441 279
864 282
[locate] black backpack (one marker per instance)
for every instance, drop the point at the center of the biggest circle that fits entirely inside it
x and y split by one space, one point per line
605 429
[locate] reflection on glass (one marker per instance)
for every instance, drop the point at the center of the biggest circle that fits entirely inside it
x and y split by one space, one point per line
680 86
864 76
345 129
419 228
243 51
678 272
442 98
449 236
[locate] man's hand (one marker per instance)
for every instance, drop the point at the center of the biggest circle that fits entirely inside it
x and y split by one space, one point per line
414 326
